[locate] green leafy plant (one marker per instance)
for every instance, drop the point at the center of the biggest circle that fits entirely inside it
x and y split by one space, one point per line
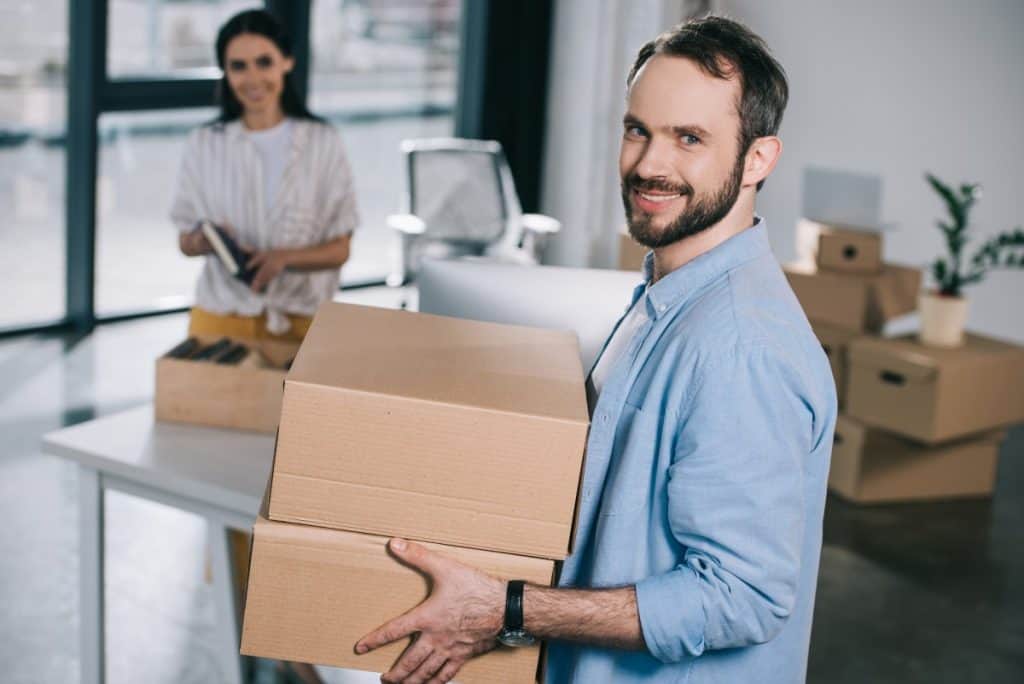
1005 250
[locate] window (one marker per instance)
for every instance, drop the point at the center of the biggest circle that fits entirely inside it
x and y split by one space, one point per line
164 38
138 265
33 57
382 71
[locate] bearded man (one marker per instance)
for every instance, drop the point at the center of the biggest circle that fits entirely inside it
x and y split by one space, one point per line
713 411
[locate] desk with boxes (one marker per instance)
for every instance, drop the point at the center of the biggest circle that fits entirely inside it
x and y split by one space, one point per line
916 422
466 436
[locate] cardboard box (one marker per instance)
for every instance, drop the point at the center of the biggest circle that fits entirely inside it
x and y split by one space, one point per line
853 301
850 250
314 592
931 394
433 428
835 342
871 466
631 253
244 396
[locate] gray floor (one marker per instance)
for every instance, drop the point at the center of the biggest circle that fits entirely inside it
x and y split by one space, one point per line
912 593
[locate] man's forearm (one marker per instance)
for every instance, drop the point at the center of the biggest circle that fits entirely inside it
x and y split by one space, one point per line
603 617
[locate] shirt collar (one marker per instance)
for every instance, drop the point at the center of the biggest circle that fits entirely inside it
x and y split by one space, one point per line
682 283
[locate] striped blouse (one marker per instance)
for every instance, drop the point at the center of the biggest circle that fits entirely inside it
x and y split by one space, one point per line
221 180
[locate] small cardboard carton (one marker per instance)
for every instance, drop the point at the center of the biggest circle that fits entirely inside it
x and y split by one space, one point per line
839 247
245 395
631 253
855 301
932 395
835 342
433 428
314 592
848 249
872 466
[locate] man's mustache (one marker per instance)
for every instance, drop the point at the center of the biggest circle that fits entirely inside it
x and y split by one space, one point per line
635 182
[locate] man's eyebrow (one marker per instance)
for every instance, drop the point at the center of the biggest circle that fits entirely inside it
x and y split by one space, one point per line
630 120
692 129
688 129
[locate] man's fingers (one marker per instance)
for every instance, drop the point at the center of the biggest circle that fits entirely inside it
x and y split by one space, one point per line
417 556
256 260
447 673
430 667
413 656
401 626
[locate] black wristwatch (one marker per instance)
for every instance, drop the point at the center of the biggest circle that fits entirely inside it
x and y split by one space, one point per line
513 634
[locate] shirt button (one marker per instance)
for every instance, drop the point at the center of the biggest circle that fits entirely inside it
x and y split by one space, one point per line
604 417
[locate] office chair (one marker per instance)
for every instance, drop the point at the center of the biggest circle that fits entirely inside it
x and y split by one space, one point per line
461 200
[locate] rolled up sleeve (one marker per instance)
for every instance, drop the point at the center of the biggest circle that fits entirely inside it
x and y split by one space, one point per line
735 506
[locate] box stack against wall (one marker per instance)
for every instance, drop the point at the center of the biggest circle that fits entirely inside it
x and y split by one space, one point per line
465 436
916 422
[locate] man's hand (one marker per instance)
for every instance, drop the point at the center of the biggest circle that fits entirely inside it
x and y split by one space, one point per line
459 620
269 265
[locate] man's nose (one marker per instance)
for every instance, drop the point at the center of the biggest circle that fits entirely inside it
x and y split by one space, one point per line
655 162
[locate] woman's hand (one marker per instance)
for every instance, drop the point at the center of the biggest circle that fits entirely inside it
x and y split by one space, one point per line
194 243
268 266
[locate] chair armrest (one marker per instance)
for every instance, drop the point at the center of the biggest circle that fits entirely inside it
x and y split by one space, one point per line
408 224
541 224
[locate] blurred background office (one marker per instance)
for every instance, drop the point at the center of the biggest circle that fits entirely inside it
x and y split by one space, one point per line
97 96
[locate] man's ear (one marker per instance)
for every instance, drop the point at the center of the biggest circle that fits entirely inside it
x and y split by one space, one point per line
761 158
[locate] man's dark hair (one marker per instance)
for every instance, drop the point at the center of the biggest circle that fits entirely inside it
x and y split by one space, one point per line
724 48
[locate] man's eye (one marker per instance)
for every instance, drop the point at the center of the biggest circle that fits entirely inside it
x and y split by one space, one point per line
264 62
236 65
691 139
635 132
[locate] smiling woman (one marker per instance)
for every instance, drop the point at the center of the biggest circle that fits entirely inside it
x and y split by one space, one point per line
275 178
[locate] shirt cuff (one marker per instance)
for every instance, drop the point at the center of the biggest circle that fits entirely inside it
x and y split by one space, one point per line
671 615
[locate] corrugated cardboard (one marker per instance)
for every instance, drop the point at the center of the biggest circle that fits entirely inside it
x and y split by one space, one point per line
871 466
244 396
835 342
433 428
855 301
631 253
931 394
848 249
314 592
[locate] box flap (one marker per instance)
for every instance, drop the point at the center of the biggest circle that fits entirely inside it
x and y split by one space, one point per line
907 351
449 360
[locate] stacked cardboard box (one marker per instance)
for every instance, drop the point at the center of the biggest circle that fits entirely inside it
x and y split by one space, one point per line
466 436
918 423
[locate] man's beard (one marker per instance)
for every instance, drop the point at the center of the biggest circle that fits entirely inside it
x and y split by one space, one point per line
700 213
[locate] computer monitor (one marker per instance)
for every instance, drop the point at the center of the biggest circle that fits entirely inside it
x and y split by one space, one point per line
586 301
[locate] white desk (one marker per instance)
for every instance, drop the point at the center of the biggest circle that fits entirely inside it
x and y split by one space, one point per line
217 474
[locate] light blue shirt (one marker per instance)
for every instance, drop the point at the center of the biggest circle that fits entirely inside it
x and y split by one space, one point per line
705 478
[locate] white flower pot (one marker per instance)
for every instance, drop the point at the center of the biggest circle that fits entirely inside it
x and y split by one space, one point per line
942 320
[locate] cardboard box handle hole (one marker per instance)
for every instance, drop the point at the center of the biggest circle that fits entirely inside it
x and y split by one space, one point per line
893 378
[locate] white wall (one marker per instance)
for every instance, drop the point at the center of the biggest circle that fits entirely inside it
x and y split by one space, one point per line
594 42
894 88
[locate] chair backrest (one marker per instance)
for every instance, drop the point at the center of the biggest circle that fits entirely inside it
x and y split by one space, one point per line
460 188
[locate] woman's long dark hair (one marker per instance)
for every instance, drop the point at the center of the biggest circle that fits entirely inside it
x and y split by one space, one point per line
264 24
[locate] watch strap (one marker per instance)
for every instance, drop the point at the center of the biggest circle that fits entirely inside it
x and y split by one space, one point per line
514 606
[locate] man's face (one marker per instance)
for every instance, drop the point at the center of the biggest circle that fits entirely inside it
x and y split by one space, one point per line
680 164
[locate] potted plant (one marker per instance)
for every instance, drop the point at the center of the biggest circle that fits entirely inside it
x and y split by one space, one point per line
944 310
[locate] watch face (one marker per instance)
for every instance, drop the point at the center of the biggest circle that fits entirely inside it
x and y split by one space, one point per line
516 638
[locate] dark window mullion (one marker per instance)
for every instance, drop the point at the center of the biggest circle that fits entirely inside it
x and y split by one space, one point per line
86 65
124 95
